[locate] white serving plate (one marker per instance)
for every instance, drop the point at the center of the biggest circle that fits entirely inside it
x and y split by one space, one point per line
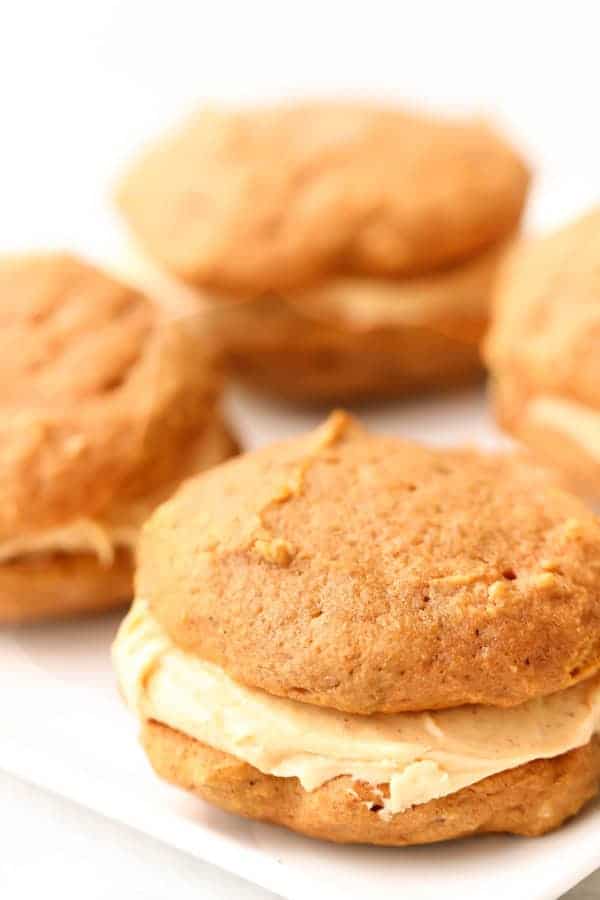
64 728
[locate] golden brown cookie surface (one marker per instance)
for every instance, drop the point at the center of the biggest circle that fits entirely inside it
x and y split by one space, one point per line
99 393
546 329
544 350
271 199
529 800
368 574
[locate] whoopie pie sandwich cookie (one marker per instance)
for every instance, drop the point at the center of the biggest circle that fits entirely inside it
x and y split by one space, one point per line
344 250
369 641
106 406
544 350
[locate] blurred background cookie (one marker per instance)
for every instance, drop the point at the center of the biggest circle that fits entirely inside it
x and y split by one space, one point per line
106 406
349 635
544 349
348 251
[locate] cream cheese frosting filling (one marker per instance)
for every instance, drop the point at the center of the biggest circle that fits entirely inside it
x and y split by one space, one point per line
80 536
419 756
578 422
367 303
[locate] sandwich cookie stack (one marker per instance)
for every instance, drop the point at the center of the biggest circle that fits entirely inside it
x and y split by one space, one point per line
343 251
369 641
106 406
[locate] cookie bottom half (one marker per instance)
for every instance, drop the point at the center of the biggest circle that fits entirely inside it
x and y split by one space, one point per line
529 800
56 585
357 367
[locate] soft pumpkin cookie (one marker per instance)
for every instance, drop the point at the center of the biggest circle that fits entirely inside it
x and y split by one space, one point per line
106 406
544 349
361 240
367 640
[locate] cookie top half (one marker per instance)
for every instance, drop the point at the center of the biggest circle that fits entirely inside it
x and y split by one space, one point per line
274 199
546 326
98 392
367 574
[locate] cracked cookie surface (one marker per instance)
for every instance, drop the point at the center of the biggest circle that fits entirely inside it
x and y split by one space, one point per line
368 574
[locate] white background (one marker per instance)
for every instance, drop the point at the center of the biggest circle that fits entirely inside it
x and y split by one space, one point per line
83 83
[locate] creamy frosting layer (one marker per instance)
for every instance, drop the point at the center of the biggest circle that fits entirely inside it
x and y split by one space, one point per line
419 756
366 303
578 422
80 536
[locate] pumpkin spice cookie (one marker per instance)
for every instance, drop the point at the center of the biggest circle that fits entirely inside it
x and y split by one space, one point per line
106 407
544 350
370 641
345 250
